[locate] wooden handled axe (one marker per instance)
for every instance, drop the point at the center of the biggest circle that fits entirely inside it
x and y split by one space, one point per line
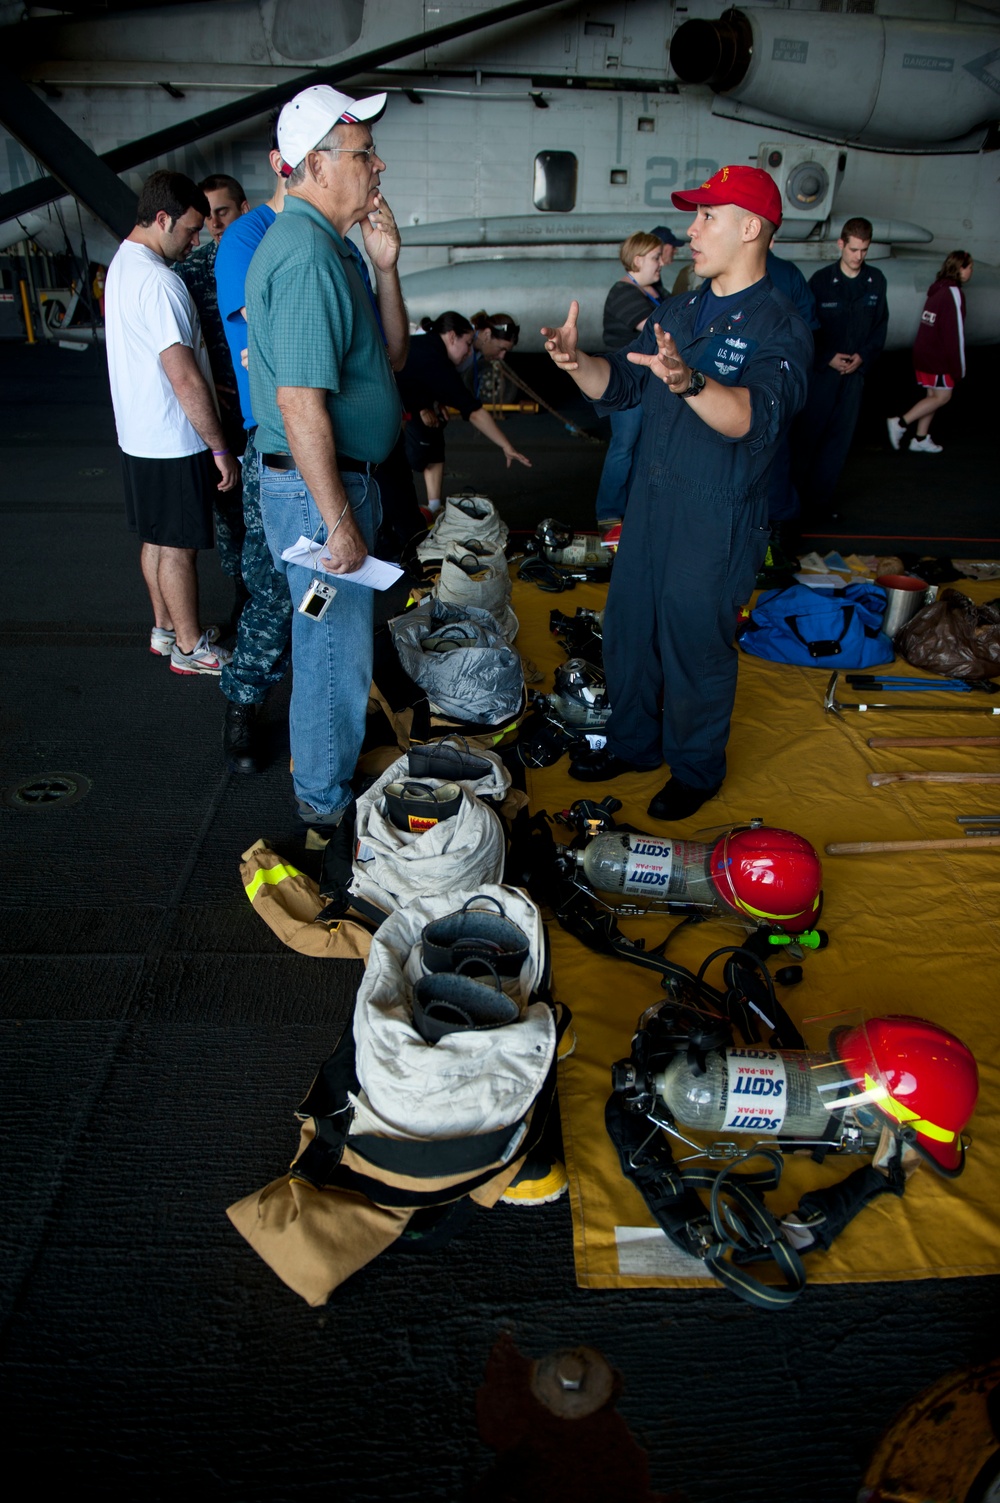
876 779
862 847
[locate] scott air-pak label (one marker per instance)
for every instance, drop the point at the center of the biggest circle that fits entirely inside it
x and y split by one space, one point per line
648 864
757 1090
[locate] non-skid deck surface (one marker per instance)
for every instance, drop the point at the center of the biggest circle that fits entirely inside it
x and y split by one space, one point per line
914 933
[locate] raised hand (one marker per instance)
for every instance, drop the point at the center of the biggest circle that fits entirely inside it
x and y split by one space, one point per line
562 343
666 365
381 235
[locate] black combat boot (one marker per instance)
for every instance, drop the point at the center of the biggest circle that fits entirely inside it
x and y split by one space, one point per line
239 743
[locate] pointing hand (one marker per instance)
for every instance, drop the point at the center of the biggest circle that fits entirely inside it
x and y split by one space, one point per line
562 343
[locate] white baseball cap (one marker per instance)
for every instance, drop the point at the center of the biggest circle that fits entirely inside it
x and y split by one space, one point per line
310 115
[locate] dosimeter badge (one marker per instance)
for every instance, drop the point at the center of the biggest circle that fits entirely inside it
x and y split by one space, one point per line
758 875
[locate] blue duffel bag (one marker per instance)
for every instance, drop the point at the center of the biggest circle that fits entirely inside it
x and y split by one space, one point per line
819 628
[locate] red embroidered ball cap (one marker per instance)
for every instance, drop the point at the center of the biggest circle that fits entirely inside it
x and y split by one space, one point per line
749 188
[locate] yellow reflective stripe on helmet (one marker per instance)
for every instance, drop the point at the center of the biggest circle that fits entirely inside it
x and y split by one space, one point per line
270 876
904 1114
752 912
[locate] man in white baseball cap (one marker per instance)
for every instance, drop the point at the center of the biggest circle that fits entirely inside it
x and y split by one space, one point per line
307 118
322 348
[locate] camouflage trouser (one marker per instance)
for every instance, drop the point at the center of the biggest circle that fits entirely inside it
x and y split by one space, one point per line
230 528
263 639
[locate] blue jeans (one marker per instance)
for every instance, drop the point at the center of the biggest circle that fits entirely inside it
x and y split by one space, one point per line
612 493
331 658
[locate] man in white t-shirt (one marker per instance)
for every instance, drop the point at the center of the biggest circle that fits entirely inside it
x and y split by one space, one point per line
173 449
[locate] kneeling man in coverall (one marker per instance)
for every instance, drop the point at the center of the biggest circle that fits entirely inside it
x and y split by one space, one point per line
719 374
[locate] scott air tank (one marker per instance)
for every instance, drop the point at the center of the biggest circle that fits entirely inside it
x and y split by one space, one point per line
770 1092
756 872
585 550
637 865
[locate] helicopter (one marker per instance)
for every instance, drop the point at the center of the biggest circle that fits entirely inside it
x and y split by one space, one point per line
525 142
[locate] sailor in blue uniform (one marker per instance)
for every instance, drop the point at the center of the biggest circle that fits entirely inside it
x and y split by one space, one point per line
853 318
719 375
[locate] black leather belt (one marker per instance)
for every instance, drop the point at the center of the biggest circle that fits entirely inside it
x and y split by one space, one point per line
344 462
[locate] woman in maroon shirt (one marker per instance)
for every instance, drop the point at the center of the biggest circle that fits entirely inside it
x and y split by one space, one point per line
938 353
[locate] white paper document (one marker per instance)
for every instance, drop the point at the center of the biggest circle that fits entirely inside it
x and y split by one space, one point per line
374 572
648 1251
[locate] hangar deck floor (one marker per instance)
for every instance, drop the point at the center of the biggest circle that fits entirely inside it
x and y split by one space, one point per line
157 1038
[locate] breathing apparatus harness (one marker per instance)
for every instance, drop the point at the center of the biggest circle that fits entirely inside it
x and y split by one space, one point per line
736 1230
557 557
550 874
581 635
572 718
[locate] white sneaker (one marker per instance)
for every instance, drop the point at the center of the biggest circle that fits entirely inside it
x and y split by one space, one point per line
204 657
162 639
897 431
925 445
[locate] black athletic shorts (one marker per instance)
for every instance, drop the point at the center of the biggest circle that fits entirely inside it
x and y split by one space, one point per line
424 445
169 501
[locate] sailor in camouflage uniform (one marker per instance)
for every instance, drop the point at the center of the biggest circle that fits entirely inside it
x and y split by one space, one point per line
227 202
263 641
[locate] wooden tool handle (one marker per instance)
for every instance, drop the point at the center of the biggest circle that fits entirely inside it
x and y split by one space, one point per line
862 847
876 779
877 741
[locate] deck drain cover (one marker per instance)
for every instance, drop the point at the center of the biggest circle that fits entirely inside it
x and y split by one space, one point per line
49 788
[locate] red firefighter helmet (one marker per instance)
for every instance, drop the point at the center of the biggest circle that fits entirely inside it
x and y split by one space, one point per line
769 875
919 1077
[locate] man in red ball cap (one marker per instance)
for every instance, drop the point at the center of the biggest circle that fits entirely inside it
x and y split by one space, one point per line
719 374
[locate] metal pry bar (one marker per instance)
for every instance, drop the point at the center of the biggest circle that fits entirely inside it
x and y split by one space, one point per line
834 706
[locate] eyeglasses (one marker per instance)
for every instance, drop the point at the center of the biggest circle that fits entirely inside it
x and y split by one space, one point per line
505 331
351 151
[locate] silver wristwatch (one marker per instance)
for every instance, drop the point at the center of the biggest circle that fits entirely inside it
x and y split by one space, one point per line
697 385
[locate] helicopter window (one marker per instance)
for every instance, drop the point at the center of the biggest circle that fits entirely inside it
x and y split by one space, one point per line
619 175
311 31
555 181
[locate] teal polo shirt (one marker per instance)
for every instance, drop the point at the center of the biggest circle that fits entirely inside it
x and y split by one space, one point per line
310 323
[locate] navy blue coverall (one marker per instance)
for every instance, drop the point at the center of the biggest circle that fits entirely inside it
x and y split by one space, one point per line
695 531
853 315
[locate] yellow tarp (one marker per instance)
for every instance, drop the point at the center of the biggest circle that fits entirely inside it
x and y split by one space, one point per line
916 933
